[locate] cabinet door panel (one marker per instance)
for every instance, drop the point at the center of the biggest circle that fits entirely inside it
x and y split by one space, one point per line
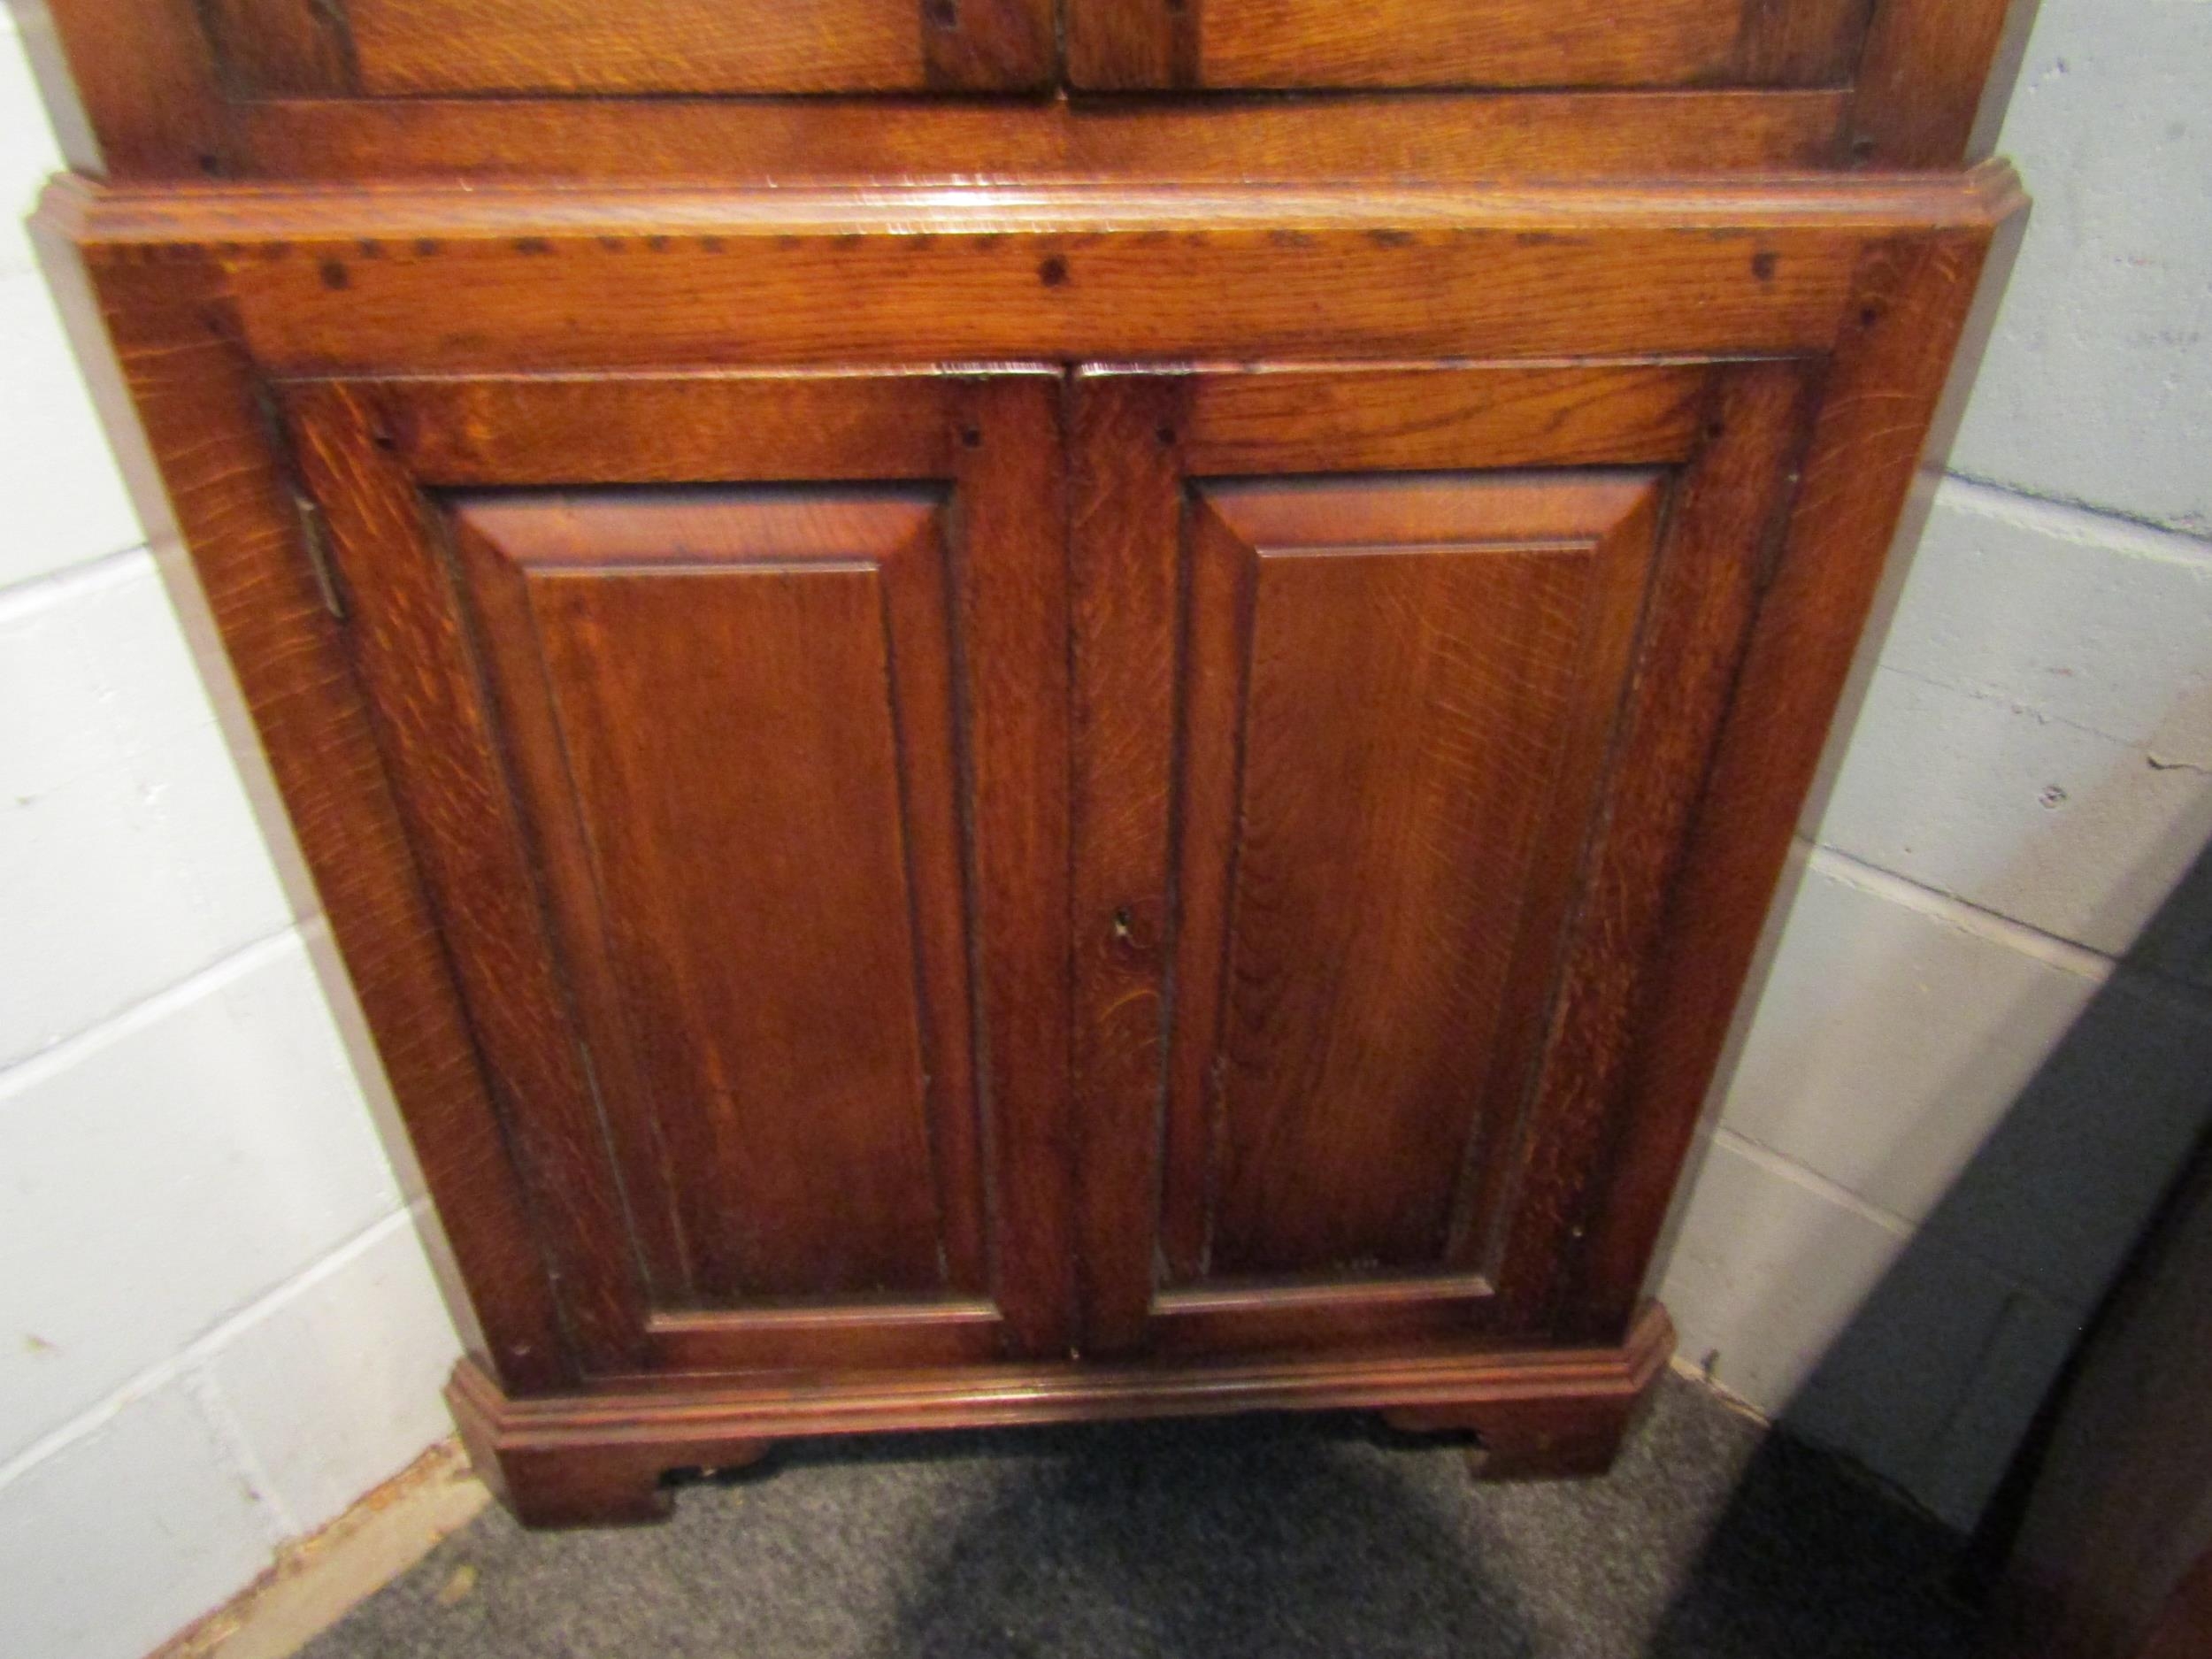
758 875
1395 688
1289 44
1351 750
697 805
408 46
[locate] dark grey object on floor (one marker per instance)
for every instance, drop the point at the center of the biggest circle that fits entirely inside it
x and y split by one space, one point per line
1207 1538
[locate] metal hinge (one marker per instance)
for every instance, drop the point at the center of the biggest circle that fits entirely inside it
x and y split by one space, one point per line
314 532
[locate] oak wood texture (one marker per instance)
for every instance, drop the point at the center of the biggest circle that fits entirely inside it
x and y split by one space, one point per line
730 717
601 1457
172 90
1883 387
998 758
282 46
1395 700
1286 44
1355 754
349 282
132 93
1219 139
694 776
404 48
1933 79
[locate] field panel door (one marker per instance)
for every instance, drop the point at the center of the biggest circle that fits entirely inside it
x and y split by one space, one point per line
1465 44
724 713
1394 690
401 48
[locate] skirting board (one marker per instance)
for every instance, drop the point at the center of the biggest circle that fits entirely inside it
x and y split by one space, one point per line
319 1578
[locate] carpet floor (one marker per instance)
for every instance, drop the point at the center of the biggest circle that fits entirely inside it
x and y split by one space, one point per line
1255 1537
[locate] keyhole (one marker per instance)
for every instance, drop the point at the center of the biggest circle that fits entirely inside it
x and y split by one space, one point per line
1122 922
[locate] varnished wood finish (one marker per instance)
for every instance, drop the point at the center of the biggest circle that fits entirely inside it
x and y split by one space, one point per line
688 777
1882 388
1014 713
730 715
205 477
290 88
1396 137
1395 696
599 1458
137 93
283 47
1932 80
1252 994
405 47
1280 43
339 282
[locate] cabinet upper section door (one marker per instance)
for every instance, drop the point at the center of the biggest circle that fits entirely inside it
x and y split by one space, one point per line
1395 693
721 713
1490 43
758 92
409 48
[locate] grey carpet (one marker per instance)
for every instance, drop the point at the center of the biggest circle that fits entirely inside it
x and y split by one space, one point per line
1217 1538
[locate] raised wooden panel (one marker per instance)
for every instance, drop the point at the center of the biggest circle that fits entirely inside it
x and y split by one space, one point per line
1381 770
1395 701
1553 44
726 793
410 47
732 717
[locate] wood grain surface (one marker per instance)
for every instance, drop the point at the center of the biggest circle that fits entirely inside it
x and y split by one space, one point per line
558 88
1381 678
731 715
985 754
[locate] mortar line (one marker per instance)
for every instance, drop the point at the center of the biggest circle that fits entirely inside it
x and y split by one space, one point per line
26 1070
173 1367
1992 926
2194 544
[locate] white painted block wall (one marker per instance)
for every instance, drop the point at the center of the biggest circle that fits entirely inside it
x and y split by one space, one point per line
1976 1060
1962 1085
217 1329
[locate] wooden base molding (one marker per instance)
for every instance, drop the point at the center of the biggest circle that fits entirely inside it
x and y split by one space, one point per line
575 1460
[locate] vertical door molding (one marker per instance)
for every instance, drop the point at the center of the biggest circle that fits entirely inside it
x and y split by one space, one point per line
1881 391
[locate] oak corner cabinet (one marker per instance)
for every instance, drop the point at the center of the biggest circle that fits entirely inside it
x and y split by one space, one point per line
1012 713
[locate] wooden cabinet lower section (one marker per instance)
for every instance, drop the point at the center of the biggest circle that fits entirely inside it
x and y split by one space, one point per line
1130 808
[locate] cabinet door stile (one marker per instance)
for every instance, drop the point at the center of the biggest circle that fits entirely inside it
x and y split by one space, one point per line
1125 509
1010 615
1879 397
425 692
1726 514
